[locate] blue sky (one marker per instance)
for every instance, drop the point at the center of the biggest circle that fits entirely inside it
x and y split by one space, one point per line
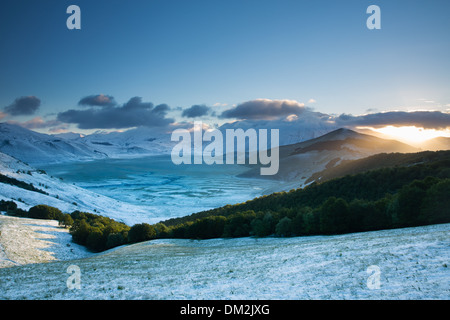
224 53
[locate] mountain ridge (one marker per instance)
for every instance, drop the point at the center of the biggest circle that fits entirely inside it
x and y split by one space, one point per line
300 161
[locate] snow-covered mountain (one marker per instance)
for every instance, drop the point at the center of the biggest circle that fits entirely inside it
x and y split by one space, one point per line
37 148
64 196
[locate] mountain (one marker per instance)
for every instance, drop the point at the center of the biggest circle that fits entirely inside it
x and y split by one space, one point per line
37 148
28 186
439 143
133 142
379 161
300 161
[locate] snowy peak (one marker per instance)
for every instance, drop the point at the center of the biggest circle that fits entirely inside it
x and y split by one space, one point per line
37 148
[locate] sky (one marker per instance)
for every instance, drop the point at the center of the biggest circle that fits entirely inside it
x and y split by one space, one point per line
161 62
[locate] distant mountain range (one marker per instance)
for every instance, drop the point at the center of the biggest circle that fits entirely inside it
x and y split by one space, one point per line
37 148
299 162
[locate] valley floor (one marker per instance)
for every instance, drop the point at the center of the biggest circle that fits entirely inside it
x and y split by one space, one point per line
410 263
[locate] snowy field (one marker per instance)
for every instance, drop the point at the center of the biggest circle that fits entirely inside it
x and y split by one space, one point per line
413 263
25 241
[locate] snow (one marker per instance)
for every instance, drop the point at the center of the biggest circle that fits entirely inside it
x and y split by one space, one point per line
38 149
25 241
64 196
413 264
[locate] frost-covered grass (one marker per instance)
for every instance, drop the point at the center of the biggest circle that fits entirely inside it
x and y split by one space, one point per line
25 241
414 264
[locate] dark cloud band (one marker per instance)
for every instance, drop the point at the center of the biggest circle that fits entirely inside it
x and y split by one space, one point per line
97 100
23 106
196 111
134 113
422 119
264 109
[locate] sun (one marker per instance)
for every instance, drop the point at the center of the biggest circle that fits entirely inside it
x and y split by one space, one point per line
411 134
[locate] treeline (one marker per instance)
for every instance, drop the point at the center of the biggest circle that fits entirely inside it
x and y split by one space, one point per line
421 202
96 232
20 184
378 199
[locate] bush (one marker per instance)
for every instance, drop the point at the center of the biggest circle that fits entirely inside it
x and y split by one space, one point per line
95 240
115 240
66 220
7 205
161 230
45 212
141 232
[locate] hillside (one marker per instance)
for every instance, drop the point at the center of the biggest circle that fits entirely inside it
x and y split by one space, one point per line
389 197
381 160
439 143
301 161
28 187
413 264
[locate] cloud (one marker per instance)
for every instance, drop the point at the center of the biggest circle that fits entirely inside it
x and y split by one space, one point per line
39 123
134 113
23 106
311 101
420 119
97 100
265 109
196 111
218 104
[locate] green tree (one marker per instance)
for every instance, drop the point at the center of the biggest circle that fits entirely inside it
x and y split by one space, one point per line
436 204
65 220
80 231
410 199
45 212
262 227
284 227
334 216
162 231
115 240
238 224
141 232
95 240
